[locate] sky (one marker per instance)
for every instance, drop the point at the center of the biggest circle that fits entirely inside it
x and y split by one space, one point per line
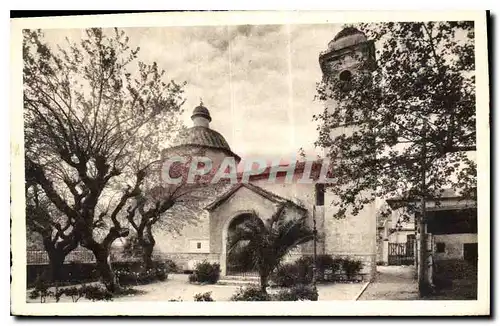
258 81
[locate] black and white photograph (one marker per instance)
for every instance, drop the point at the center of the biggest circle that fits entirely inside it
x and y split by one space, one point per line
338 160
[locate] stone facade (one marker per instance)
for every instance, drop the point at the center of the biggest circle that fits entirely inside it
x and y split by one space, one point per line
354 236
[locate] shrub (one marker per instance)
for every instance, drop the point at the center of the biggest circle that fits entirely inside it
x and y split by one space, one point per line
171 266
207 296
299 292
301 271
286 275
251 293
89 292
41 290
161 271
305 292
175 300
134 274
206 272
325 264
305 269
351 267
298 272
192 278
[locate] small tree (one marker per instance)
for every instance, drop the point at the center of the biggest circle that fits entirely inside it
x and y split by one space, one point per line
267 243
168 206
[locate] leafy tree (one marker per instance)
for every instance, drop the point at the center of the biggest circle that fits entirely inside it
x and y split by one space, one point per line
94 123
267 243
411 121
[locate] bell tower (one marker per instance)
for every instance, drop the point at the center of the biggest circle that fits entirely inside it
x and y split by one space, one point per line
349 53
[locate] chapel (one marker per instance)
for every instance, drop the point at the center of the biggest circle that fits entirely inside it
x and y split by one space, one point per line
349 52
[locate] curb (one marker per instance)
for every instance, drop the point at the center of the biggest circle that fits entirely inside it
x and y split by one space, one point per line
362 290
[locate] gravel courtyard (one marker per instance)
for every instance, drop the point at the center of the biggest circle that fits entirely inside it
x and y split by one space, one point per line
177 287
392 283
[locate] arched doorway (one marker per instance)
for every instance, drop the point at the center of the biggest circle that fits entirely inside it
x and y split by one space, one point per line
237 261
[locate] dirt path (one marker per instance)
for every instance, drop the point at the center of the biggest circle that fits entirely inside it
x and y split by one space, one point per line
392 283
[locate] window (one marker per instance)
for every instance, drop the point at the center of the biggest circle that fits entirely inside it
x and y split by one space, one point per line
440 246
345 76
320 194
470 252
198 245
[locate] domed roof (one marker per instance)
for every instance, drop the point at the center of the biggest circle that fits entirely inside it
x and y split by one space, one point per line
349 36
202 136
200 110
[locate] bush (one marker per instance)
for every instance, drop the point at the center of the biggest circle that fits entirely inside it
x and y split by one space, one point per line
298 272
206 272
299 292
134 274
324 263
175 300
192 278
161 271
171 266
251 293
41 290
305 292
286 275
207 296
351 267
89 292
305 269
301 271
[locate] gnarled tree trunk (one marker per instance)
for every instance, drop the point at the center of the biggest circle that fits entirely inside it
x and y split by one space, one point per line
57 252
56 261
147 242
101 252
263 282
103 264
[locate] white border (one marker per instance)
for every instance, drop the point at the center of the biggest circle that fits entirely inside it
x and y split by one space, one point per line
18 293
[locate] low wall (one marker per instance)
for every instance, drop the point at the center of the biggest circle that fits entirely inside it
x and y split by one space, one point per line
369 263
71 273
188 261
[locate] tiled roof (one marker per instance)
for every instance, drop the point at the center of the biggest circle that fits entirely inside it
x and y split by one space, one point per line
203 137
264 193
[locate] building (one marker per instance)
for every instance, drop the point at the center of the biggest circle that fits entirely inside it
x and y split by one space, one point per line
451 228
354 236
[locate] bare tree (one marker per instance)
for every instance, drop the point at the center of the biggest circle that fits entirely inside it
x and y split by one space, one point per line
169 206
99 120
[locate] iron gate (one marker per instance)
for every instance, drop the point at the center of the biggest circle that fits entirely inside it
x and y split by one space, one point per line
401 253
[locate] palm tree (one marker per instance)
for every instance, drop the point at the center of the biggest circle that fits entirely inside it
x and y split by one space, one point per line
267 243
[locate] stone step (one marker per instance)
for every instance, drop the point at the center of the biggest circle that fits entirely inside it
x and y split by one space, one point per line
239 277
238 280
